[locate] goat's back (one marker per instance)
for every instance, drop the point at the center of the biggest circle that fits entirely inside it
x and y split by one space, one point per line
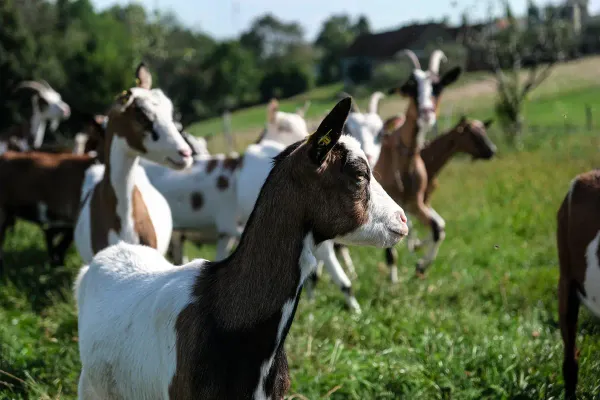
128 299
35 177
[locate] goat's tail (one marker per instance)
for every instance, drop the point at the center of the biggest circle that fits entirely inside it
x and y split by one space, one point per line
374 102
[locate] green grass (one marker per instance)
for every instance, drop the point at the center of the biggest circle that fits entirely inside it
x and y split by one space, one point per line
483 325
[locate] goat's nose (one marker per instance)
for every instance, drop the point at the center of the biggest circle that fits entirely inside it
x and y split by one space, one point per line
401 217
185 153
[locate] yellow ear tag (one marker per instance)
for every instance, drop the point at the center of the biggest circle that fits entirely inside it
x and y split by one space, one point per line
325 140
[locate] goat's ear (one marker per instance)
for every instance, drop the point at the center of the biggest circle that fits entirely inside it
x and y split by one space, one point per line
329 131
272 109
488 122
143 77
451 76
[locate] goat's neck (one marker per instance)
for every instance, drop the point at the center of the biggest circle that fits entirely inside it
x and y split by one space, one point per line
438 152
37 129
410 135
119 174
269 265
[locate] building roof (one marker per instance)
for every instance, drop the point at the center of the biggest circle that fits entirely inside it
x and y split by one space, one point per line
387 44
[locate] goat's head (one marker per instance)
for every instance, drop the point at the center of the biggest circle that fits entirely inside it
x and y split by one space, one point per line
471 138
144 118
46 101
340 196
366 129
424 88
284 127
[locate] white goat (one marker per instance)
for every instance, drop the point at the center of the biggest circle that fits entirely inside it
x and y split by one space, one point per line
118 201
216 330
47 106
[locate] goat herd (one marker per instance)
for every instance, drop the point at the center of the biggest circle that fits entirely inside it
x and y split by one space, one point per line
136 186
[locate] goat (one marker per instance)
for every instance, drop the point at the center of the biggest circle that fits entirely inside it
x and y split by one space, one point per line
149 329
118 200
400 167
29 184
578 243
47 106
283 127
468 136
366 127
202 201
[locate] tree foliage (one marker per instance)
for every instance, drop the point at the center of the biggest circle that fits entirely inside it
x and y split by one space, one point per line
522 56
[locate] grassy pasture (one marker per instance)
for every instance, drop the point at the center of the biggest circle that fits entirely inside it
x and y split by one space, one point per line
483 325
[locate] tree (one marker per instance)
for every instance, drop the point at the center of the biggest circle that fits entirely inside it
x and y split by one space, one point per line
17 58
336 34
509 51
269 37
362 27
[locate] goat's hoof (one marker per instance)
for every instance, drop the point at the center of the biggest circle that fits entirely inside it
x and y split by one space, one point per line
353 305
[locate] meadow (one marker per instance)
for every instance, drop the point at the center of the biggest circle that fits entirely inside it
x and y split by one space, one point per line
482 325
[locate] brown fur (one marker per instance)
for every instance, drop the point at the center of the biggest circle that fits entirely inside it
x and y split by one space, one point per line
141 220
577 226
228 331
468 136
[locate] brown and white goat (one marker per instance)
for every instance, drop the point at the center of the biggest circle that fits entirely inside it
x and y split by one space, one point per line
469 137
43 188
400 167
118 200
578 242
47 106
216 330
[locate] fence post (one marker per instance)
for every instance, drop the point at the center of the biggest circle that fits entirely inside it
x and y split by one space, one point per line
589 123
227 130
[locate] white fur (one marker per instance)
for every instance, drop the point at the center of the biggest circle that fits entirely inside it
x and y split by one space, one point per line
591 284
287 128
126 173
128 301
217 216
366 127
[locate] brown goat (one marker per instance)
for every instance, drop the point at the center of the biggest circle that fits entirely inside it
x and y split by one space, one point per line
578 242
400 168
468 136
42 188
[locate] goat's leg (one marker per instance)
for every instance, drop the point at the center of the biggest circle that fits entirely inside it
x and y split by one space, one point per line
568 313
343 250
391 258
225 243
428 216
412 241
64 244
325 253
176 248
312 280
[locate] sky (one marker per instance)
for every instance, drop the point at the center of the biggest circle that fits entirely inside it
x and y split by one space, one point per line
227 18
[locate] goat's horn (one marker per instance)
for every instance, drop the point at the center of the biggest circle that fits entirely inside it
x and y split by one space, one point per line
31 85
43 82
413 57
434 61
